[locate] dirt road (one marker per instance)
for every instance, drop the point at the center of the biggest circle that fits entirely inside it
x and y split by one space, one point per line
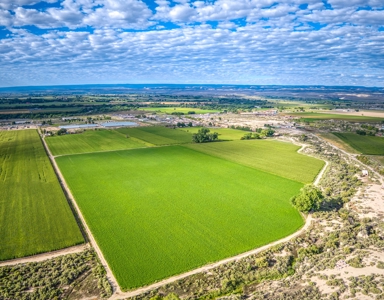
111 278
44 256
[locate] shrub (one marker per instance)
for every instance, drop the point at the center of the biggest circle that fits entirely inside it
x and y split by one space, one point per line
309 199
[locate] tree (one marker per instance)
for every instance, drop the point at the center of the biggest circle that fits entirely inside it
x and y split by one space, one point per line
62 131
267 132
303 138
250 136
309 199
204 136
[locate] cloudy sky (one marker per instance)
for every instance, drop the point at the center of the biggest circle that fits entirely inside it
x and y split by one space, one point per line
330 42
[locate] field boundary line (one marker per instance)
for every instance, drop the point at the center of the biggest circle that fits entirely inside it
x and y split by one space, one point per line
322 171
101 151
303 146
111 278
44 256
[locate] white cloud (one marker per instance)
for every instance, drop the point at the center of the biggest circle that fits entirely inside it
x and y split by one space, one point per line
120 13
12 4
5 18
265 47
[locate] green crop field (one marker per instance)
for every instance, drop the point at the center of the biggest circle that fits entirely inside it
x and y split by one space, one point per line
34 214
267 155
158 135
333 139
92 141
378 158
225 134
185 110
371 145
157 212
310 117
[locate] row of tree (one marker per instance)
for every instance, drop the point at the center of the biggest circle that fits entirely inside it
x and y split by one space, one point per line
259 134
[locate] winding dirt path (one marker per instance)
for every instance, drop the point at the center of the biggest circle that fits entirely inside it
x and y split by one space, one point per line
44 256
320 175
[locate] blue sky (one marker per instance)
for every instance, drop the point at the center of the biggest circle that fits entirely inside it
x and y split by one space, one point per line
289 42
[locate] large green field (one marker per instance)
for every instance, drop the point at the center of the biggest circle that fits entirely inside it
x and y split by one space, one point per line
274 157
92 141
158 135
312 116
34 214
371 145
157 212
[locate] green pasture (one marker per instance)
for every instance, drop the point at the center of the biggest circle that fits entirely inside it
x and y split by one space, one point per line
225 134
311 117
371 145
185 110
274 157
34 214
333 139
157 212
292 104
158 135
92 141
379 159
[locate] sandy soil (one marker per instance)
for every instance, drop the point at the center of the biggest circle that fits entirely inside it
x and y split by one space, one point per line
369 202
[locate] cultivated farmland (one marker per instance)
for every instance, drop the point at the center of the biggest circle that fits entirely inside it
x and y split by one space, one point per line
158 135
156 212
92 141
270 156
310 117
371 145
333 139
34 214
